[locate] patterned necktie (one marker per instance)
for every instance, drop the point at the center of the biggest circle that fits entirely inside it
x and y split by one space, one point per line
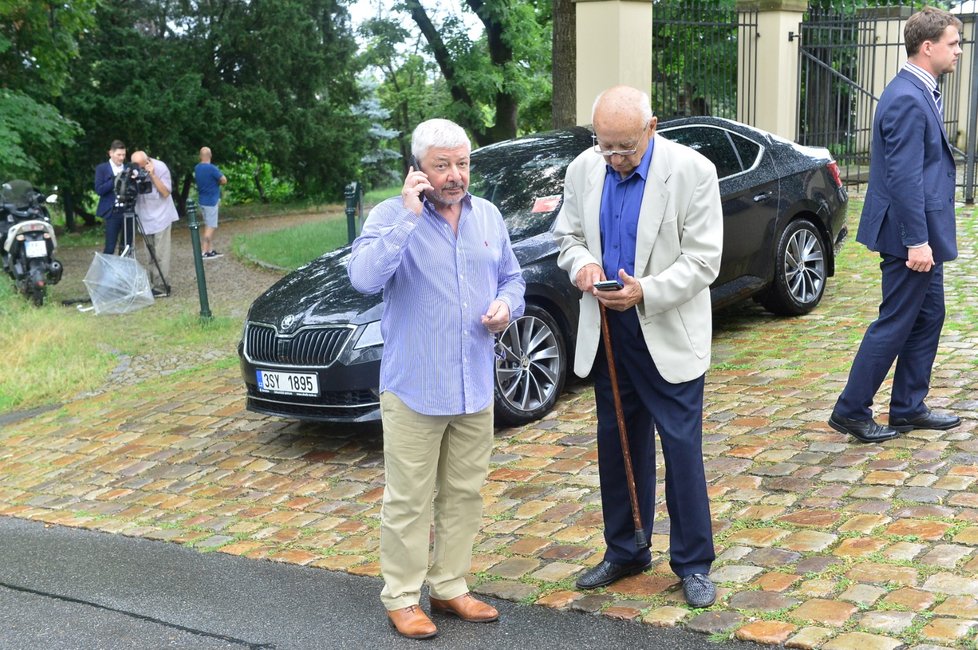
939 102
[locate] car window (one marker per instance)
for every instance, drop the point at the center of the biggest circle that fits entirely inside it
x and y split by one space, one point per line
525 180
730 152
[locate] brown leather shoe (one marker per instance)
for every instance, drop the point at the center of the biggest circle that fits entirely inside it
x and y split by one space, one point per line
412 622
467 608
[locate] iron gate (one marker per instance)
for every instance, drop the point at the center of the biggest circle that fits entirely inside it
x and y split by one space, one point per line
846 57
695 47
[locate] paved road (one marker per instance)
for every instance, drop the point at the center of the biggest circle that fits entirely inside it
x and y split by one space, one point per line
64 588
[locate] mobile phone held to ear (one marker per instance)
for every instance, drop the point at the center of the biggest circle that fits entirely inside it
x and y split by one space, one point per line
607 285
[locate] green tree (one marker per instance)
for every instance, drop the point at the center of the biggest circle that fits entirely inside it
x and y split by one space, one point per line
271 82
38 40
411 89
499 83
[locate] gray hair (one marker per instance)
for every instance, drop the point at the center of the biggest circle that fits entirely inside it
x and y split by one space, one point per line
437 133
644 103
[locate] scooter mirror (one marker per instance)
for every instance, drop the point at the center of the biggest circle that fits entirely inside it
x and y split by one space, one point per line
53 198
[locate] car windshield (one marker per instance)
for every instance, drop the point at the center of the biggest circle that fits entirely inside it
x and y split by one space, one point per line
524 178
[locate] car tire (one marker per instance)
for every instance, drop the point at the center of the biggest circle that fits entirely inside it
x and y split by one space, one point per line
800 271
531 367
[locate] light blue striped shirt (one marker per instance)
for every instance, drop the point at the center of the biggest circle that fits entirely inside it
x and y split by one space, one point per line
927 78
438 356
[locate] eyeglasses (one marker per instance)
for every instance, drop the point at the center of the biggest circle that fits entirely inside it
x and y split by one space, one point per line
624 153
608 153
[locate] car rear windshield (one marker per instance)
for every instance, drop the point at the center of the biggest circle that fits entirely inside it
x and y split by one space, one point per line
525 179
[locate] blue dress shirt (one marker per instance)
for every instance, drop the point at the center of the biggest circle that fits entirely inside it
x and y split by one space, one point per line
438 356
621 201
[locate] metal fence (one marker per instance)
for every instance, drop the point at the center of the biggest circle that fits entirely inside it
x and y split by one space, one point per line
696 45
847 54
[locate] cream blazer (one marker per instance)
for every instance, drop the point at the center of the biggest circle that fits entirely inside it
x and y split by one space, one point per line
677 255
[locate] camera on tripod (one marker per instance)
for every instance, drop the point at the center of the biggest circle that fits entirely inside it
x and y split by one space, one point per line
132 181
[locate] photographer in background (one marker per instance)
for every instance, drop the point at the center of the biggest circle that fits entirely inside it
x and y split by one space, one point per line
155 211
105 175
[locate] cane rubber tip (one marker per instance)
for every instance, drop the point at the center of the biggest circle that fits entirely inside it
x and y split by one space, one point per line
640 541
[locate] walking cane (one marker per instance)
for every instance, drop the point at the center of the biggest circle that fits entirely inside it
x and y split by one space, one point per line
640 541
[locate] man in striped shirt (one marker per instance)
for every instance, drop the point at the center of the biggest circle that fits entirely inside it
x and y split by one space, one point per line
450 280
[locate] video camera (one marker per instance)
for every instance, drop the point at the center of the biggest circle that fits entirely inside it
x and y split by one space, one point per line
132 181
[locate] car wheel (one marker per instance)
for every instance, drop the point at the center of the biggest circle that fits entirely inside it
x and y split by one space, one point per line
531 366
799 271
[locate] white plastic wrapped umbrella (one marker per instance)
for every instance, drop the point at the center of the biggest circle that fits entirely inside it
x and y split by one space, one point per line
117 285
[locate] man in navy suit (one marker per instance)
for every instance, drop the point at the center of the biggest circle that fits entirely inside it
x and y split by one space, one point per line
105 174
908 218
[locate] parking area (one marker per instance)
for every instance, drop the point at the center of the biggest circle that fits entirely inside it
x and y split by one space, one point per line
822 543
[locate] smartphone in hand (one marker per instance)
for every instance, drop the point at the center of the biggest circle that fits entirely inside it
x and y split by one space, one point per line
607 285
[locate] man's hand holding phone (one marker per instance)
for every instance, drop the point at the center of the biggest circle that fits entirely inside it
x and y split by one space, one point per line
608 285
415 184
627 294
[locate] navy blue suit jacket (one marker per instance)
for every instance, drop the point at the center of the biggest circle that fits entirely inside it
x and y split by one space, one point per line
105 188
910 199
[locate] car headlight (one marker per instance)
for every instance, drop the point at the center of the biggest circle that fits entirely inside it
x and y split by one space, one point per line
370 336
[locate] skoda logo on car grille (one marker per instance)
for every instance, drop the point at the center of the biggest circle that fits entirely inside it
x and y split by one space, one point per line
288 322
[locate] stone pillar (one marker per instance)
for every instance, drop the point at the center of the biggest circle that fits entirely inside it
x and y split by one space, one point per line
776 97
614 46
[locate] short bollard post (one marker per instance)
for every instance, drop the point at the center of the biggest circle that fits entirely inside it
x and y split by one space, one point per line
205 310
352 194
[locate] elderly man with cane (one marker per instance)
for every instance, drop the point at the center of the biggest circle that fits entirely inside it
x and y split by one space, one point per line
640 234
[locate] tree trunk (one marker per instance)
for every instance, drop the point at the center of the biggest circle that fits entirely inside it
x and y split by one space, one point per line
564 64
506 103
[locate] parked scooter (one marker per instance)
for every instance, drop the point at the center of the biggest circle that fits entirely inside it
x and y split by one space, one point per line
28 239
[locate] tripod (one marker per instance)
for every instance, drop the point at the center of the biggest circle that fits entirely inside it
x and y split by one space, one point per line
130 224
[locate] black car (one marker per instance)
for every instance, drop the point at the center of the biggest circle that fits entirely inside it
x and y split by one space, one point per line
311 346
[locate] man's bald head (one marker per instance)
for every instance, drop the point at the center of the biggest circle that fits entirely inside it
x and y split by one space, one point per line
622 106
623 124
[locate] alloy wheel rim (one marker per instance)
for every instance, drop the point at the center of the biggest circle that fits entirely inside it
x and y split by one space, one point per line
527 364
804 266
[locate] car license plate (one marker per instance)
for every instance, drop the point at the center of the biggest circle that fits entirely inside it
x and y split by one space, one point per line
287 383
36 248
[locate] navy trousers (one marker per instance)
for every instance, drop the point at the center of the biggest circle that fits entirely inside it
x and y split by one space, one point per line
651 404
114 226
907 330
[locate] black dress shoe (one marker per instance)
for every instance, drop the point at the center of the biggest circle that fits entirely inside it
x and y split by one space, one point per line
607 572
928 420
862 430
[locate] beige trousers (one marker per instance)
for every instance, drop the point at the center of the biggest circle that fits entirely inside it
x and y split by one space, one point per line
442 456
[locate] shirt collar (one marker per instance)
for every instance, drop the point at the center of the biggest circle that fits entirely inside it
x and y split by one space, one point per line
929 80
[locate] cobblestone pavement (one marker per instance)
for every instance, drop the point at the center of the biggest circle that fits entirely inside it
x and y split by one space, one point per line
822 543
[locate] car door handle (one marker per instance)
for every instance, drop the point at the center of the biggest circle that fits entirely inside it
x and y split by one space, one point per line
763 196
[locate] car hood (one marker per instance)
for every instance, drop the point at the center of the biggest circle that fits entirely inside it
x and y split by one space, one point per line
318 293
